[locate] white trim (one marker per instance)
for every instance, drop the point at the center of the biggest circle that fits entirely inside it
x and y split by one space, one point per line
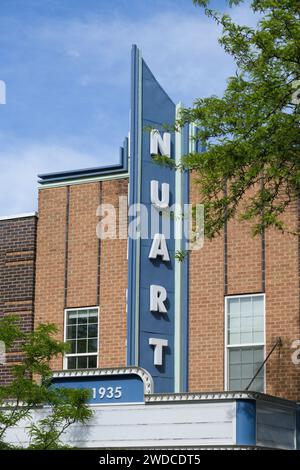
217 396
171 398
233 346
237 296
81 354
244 345
19 216
81 308
142 373
66 310
83 181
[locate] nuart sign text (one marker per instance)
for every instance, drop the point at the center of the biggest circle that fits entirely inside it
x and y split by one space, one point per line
157 338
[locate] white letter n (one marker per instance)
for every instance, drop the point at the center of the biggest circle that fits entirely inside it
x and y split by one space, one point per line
160 144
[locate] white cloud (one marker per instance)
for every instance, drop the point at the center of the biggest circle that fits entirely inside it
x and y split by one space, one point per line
21 166
181 49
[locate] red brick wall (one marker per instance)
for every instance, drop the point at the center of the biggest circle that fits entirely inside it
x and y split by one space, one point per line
74 269
17 272
50 261
211 281
113 285
83 246
282 306
74 283
206 317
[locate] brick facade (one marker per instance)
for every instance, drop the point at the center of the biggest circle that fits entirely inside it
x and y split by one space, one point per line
75 269
235 263
17 278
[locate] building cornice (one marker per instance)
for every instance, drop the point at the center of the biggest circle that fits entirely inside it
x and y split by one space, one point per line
117 170
142 373
216 396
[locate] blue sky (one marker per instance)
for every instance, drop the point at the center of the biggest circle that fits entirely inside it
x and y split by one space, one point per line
66 65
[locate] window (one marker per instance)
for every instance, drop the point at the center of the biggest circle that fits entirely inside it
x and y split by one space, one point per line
81 333
244 341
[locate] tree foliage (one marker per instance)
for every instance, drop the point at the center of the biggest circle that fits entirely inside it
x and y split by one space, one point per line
29 390
251 133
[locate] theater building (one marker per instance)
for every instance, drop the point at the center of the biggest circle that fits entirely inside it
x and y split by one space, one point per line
213 337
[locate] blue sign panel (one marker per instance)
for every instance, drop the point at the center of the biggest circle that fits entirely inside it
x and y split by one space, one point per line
152 331
106 388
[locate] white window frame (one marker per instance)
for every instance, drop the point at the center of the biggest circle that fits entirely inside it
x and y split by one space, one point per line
249 345
65 359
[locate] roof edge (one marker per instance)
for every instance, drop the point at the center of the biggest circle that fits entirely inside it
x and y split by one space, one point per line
19 216
83 173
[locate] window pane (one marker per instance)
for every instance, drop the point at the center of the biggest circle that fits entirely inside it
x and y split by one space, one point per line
243 363
247 371
82 362
258 323
246 323
246 338
82 346
93 331
82 318
92 362
235 371
258 355
258 305
82 331
246 306
234 305
244 384
72 319
93 316
235 385
82 337
245 320
247 356
71 332
71 363
258 385
234 338
92 345
235 356
258 337
72 346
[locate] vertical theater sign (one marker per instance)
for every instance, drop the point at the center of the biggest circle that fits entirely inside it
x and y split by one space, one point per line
157 337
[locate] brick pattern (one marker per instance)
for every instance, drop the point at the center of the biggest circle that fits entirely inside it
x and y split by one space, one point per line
282 306
89 274
113 285
206 317
82 246
17 275
50 261
6 375
246 261
81 273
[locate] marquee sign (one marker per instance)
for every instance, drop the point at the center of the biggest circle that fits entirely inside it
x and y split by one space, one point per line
108 386
157 294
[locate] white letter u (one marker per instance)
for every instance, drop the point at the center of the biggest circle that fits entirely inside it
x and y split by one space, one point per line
163 202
